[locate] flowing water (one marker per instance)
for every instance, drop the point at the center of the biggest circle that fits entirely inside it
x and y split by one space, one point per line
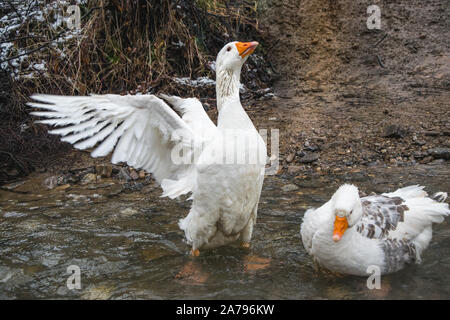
128 245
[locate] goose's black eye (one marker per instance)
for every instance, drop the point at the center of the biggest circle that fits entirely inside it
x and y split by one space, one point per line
229 48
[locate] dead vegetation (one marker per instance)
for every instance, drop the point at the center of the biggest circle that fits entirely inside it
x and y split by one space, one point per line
122 47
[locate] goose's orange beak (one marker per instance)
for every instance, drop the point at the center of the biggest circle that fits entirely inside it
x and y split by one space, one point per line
340 225
246 48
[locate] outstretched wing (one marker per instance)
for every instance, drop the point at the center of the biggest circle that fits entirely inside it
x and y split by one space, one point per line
381 215
141 129
193 115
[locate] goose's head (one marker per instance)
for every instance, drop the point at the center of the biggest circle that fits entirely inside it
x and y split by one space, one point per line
234 54
347 209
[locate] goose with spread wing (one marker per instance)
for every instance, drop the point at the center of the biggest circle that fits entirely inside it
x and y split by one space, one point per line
176 141
348 234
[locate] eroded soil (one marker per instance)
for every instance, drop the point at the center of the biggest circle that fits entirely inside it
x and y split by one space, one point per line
350 96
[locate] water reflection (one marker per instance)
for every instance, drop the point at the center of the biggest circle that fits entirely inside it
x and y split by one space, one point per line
128 244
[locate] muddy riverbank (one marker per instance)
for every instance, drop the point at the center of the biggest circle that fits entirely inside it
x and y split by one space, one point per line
337 107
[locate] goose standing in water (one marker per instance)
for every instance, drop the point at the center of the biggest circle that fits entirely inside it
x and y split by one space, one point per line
184 150
348 233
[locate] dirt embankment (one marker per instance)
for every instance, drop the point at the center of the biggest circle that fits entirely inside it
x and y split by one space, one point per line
351 97
348 97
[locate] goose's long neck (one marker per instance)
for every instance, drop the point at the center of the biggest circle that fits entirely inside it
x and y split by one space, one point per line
227 87
231 113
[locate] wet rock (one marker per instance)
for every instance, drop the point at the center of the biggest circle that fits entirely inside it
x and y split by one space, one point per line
417 141
290 157
97 293
114 191
309 158
418 155
289 187
124 175
309 183
29 225
7 273
301 153
50 259
63 187
294 169
439 153
14 185
99 186
104 171
133 186
14 214
128 212
142 174
426 160
312 147
420 142
432 133
89 178
133 174
393 131
72 178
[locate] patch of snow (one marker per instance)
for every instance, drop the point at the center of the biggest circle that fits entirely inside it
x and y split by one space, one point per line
212 65
29 11
199 82
178 44
39 66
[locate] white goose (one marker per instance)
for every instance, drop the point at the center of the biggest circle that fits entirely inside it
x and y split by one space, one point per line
184 153
348 233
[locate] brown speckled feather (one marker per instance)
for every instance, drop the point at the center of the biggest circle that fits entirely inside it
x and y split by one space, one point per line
381 214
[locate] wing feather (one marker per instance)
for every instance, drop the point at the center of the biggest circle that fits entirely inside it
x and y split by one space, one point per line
140 130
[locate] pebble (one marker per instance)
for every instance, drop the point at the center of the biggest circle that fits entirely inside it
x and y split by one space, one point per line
290 157
439 153
63 187
393 131
89 178
289 187
123 175
97 293
128 212
104 170
133 174
309 157
294 169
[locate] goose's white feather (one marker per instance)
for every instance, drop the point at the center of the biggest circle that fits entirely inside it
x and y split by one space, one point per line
145 132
